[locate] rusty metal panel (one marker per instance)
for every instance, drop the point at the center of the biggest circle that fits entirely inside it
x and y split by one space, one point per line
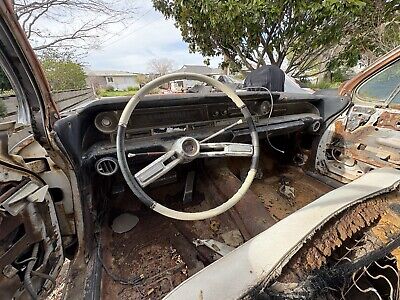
263 257
348 87
364 139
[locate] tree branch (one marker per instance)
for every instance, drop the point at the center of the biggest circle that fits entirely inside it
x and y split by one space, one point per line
59 15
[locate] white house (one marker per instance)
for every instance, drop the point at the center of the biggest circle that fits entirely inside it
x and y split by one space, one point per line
183 85
119 80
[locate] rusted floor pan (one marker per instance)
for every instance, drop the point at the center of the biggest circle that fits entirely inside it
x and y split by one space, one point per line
159 253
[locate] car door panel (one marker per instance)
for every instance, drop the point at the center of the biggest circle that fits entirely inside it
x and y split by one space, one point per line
27 218
363 139
367 135
30 237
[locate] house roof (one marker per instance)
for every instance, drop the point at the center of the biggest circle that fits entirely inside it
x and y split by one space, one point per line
204 70
108 73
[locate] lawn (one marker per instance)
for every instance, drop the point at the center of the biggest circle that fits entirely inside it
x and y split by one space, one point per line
128 92
108 93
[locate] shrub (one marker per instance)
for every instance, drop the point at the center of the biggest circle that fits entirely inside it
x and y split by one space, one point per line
323 85
5 84
62 71
109 88
132 88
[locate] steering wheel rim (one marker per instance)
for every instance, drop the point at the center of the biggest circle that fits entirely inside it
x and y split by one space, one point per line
133 183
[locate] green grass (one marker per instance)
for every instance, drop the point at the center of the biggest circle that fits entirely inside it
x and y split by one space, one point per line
105 93
129 92
323 85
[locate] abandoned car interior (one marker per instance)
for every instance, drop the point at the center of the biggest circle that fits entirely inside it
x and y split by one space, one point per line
253 194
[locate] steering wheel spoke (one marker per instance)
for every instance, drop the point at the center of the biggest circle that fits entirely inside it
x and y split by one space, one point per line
225 150
157 168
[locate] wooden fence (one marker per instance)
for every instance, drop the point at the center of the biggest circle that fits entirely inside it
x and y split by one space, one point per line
64 100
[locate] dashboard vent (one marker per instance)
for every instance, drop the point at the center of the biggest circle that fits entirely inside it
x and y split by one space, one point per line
107 166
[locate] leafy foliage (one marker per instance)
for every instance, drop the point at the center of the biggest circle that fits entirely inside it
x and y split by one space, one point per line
127 92
5 84
132 88
311 35
109 88
114 93
62 71
378 30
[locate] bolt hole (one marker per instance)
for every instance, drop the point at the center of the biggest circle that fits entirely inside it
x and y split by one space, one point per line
361 147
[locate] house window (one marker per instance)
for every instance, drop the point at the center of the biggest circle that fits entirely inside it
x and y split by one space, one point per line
109 79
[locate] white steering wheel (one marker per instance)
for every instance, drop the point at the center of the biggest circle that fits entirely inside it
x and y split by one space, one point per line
186 149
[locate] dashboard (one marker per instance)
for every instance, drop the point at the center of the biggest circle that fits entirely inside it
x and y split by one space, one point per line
88 134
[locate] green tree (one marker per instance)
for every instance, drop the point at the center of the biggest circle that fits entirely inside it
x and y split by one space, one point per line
309 35
379 33
5 84
63 71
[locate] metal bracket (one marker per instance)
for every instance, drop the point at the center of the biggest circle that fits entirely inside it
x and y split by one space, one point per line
189 187
218 247
359 116
29 193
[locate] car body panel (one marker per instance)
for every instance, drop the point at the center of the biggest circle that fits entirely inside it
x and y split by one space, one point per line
367 135
264 256
348 87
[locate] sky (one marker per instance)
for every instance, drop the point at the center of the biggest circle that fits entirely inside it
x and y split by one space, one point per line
149 36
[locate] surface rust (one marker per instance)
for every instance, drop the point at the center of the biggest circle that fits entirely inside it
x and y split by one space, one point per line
146 251
162 251
249 210
317 250
389 120
361 145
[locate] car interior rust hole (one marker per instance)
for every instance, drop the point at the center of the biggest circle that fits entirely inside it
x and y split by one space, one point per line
330 263
334 235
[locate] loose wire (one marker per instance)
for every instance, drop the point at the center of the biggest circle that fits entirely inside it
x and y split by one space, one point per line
269 115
